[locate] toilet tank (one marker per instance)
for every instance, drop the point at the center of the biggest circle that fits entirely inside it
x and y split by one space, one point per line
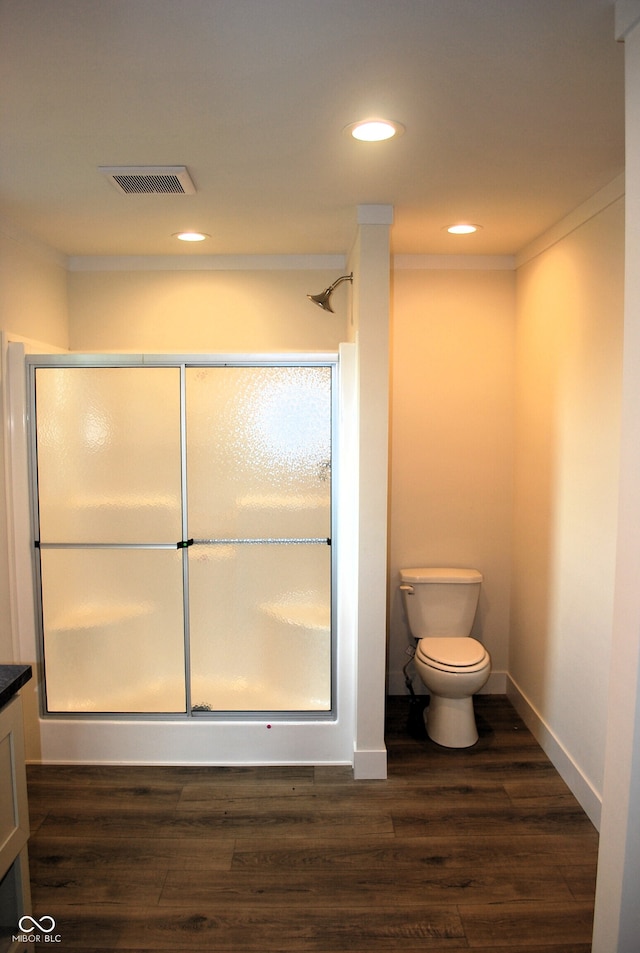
440 603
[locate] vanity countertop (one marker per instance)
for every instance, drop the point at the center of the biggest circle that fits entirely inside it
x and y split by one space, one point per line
12 678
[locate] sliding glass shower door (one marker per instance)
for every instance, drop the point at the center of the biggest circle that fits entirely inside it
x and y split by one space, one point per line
183 531
258 490
109 516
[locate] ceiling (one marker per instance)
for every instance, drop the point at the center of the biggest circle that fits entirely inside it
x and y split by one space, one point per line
513 112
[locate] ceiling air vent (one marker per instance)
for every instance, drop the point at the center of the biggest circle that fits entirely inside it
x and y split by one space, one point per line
150 180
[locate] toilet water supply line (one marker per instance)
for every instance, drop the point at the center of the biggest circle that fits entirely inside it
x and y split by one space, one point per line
410 651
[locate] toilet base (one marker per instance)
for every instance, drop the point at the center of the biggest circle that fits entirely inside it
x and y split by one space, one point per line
451 722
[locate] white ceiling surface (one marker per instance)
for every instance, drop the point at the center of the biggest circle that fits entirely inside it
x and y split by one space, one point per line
513 112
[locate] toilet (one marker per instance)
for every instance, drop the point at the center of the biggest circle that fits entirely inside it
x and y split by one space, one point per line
441 605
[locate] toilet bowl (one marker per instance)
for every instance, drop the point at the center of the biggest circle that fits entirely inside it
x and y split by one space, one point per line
441 606
452 677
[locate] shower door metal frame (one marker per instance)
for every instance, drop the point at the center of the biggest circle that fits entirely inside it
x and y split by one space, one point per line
182 363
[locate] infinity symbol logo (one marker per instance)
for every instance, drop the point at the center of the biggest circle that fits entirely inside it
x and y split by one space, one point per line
39 924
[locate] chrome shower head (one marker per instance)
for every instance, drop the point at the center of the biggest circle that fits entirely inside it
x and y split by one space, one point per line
323 300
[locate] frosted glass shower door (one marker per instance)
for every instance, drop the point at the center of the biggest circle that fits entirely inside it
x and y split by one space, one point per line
259 511
183 536
109 525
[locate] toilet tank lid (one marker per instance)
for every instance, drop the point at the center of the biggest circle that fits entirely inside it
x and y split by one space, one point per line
418 576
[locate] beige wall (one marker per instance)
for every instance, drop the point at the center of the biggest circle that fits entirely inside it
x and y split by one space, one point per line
203 311
33 291
569 356
452 442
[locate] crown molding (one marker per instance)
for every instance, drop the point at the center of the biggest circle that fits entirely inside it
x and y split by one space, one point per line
579 216
454 262
206 262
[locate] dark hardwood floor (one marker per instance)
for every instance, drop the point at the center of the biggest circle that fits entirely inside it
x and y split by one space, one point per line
483 849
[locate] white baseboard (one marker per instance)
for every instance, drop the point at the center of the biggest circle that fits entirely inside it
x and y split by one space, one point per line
370 765
501 683
581 788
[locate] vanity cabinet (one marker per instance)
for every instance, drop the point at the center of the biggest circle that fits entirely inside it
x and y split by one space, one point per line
15 895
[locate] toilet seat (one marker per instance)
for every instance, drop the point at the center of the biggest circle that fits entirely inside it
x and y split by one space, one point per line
452 655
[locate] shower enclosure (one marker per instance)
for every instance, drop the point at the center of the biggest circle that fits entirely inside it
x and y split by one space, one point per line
183 536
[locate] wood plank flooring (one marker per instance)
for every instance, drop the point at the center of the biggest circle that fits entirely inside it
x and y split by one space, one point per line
483 849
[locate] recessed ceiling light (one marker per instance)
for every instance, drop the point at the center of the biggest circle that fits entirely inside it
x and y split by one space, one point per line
375 130
462 229
191 236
